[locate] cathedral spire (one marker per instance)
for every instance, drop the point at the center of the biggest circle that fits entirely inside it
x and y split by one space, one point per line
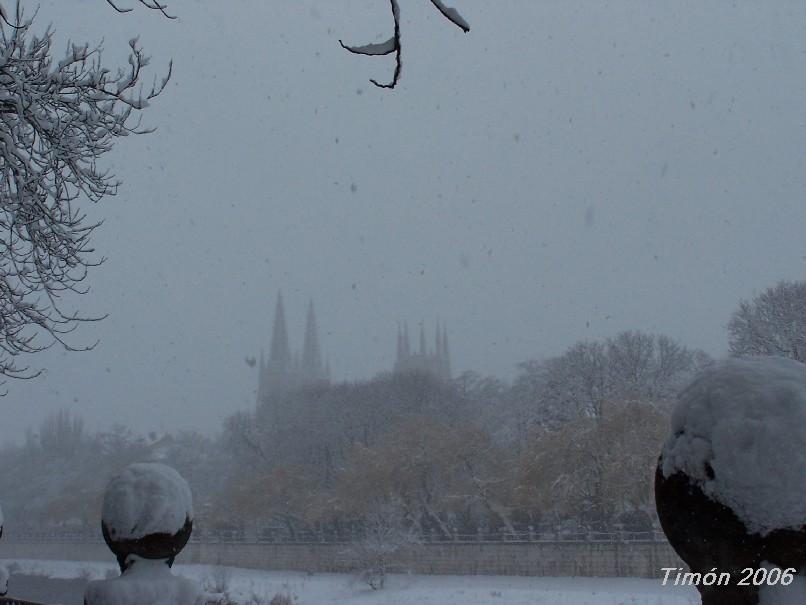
311 353
261 383
435 361
438 361
399 356
280 353
422 339
446 354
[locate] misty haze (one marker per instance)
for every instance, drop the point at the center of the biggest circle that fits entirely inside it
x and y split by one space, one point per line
375 340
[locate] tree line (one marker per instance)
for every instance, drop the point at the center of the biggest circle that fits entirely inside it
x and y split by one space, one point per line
571 440
570 443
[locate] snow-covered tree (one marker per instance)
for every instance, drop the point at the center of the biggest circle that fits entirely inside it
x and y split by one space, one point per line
61 434
772 323
591 470
437 471
650 367
631 366
386 536
59 116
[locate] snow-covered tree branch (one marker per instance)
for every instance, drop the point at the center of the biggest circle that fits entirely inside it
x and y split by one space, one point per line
393 44
58 118
152 4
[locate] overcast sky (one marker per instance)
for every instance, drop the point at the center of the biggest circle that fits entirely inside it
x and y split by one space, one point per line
564 171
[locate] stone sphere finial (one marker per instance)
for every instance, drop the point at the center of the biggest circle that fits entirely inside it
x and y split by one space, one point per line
146 520
730 485
147 512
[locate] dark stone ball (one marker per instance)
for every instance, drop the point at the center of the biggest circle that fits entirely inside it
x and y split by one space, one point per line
153 546
707 534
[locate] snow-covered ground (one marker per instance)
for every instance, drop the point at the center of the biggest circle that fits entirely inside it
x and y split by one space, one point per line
250 587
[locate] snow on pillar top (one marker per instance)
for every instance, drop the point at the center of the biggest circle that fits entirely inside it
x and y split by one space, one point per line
143 583
739 431
146 499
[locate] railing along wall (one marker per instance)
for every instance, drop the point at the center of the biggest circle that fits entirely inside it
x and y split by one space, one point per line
242 537
622 554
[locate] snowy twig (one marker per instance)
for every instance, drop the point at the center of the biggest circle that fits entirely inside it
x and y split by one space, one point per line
152 4
393 44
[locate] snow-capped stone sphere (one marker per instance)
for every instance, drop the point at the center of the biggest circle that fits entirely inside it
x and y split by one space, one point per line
145 499
147 512
739 433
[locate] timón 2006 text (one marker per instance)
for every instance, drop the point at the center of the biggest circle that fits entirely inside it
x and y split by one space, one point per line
749 577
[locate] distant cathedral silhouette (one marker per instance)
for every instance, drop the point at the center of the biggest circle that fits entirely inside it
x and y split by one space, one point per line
283 372
436 362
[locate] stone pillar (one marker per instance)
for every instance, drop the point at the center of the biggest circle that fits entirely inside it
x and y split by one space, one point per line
146 521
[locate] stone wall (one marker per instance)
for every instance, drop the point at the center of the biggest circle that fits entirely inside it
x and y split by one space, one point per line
618 559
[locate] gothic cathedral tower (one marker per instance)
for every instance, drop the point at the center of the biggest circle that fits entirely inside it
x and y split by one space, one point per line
283 371
436 361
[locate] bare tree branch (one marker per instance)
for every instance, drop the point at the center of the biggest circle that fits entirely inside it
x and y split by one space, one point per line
452 15
384 48
393 44
152 4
